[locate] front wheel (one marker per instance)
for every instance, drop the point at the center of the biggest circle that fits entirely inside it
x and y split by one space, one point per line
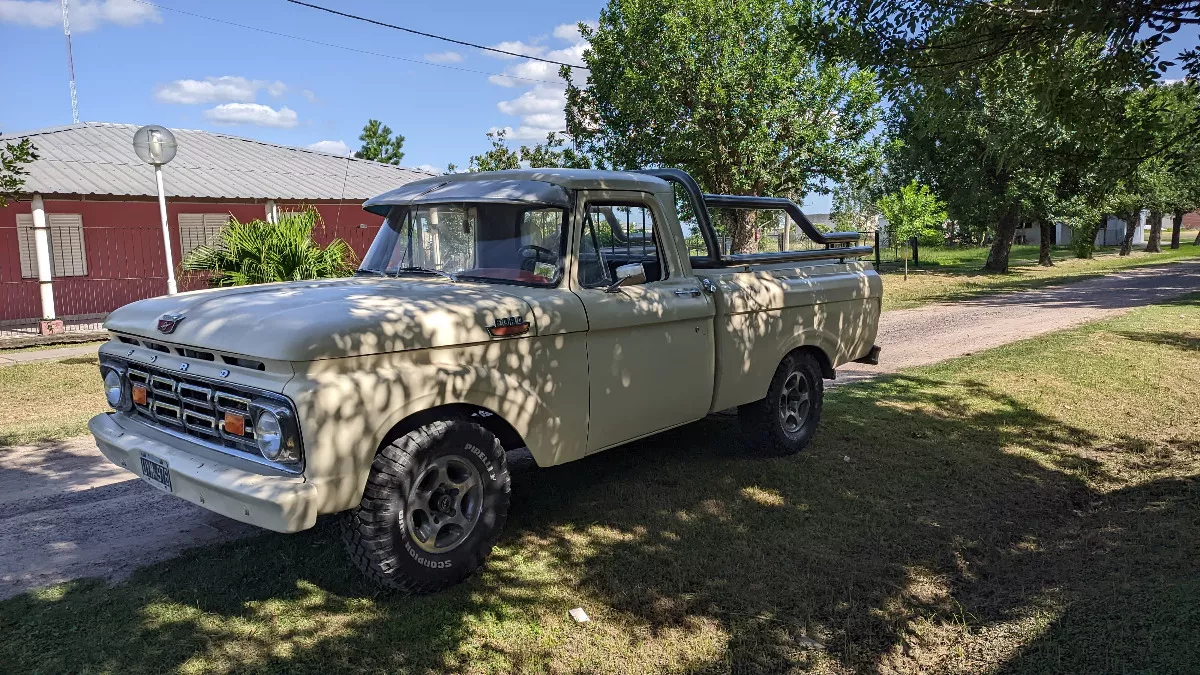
435 504
784 422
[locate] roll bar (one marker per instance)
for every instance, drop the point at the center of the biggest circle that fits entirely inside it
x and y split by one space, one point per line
837 244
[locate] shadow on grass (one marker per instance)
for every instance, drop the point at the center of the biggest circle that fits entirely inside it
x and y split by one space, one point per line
934 533
1177 340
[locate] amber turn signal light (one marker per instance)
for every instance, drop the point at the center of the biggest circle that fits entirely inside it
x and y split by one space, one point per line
509 330
235 424
139 394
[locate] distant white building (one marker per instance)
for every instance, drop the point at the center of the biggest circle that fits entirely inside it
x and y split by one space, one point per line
1112 234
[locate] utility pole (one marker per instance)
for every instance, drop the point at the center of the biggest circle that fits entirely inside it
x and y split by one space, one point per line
70 64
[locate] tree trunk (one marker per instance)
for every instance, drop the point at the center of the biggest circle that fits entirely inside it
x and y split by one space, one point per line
1154 244
1046 234
743 234
1131 225
997 260
1176 227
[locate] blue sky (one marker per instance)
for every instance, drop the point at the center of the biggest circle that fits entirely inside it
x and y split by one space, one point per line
137 63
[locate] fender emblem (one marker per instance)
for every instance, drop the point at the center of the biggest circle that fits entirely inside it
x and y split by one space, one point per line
508 326
168 322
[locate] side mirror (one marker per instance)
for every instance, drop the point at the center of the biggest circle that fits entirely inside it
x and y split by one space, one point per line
628 275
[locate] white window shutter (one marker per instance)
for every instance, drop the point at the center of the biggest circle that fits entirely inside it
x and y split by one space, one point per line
68 255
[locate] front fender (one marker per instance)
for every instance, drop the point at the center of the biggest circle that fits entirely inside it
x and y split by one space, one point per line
348 406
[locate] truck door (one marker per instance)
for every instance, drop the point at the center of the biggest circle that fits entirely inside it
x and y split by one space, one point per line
649 344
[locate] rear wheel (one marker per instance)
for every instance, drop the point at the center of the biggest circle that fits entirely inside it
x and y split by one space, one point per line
435 504
784 422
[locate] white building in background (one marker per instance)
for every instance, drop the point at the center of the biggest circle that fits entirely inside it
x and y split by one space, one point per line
1112 234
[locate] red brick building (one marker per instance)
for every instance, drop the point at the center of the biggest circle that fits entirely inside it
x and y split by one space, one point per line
100 205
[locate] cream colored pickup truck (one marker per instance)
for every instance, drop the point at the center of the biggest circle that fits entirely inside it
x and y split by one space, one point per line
561 311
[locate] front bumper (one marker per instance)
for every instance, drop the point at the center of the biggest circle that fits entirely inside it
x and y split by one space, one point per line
279 503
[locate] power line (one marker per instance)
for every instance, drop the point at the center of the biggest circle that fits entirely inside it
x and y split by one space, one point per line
337 46
437 37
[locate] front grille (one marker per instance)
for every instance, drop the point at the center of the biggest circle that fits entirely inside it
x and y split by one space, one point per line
194 406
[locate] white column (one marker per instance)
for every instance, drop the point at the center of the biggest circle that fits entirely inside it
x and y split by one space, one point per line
272 211
172 289
41 247
1139 232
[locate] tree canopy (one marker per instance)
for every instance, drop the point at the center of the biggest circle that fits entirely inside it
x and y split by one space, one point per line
720 89
914 211
13 157
379 145
553 153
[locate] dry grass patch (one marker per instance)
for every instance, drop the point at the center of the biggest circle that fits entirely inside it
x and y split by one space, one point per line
49 400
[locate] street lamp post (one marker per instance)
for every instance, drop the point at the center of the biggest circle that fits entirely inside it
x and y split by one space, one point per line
156 145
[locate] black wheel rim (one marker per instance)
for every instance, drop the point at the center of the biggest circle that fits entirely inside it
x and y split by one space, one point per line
794 401
444 504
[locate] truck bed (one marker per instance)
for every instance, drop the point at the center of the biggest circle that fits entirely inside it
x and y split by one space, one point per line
769 310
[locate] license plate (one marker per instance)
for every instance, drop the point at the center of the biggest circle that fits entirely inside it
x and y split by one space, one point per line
156 473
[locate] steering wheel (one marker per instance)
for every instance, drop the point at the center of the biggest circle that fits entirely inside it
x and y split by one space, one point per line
536 257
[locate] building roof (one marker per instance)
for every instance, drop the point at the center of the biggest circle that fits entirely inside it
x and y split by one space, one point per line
97 158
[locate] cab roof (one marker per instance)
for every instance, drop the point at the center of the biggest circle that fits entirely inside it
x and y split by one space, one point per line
534 186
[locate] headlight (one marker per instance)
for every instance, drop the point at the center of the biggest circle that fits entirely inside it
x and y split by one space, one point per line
269 434
275 432
114 389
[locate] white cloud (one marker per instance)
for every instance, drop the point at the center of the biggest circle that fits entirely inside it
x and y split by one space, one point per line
338 148
254 114
216 89
444 57
516 47
430 168
540 106
84 16
310 95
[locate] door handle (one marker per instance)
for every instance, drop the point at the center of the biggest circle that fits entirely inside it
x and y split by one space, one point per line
688 293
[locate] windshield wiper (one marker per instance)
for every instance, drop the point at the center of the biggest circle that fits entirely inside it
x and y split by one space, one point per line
427 270
362 272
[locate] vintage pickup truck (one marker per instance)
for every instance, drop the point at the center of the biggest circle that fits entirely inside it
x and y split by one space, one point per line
564 312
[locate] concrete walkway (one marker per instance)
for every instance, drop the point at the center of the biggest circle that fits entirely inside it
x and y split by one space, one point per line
66 513
12 359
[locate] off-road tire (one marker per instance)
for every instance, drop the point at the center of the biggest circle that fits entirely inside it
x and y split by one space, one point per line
763 425
377 534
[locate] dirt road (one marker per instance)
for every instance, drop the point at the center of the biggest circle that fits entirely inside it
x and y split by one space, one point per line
66 513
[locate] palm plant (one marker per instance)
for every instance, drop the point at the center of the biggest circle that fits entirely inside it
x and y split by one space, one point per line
259 252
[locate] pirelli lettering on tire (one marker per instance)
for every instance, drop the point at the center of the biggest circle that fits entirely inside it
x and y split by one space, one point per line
487 463
422 560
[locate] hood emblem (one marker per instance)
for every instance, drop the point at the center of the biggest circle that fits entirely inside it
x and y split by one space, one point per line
168 322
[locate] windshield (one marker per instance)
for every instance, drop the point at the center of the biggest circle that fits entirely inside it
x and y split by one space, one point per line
507 243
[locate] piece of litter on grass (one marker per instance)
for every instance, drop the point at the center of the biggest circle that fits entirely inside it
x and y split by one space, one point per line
847 459
579 615
805 642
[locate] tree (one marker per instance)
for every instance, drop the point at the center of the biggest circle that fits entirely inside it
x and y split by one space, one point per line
500 157
719 89
926 37
553 153
914 211
986 144
379 145
13 157
258 252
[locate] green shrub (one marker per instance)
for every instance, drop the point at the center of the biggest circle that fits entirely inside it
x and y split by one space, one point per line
259 252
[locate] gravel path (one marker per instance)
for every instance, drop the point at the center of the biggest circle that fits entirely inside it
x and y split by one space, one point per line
66 513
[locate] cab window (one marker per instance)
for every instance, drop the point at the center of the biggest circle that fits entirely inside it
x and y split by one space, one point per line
615 234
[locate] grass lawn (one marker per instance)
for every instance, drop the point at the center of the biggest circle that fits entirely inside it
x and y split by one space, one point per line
59 345
946 275
1030 509
49 400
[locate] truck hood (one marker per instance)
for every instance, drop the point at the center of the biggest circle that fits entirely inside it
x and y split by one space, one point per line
330 318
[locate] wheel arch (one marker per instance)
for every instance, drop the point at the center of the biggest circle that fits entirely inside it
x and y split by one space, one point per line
510 438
